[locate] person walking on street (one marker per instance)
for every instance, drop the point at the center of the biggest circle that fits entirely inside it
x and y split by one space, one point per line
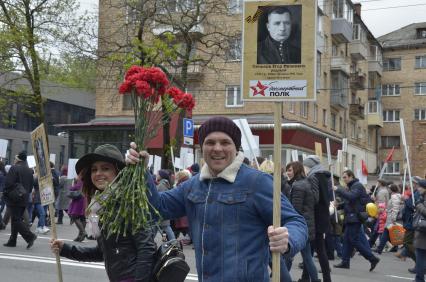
41 210
407 223
392 208
354 236
320 180
229 209
62 201
128 258
77 208
299 191
20 175
163 184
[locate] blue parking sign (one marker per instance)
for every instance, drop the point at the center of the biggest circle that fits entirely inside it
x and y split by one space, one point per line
188 127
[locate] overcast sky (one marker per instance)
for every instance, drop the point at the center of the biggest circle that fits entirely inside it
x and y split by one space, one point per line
386 19
378 15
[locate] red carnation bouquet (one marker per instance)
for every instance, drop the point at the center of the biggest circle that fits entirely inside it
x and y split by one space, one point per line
125 205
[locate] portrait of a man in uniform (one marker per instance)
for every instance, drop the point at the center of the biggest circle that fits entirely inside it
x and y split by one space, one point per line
279 35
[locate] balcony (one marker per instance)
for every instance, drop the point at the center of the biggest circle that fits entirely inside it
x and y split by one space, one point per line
358 80
339 99
356 111
194 72
341 30
358 50
374 113
340 64
375 66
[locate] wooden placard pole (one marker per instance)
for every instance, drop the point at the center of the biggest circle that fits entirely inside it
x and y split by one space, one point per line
278 109
55 236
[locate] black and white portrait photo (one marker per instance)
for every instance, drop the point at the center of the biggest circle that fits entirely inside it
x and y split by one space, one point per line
279 35
40 157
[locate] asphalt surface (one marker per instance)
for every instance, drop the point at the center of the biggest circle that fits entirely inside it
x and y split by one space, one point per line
38 264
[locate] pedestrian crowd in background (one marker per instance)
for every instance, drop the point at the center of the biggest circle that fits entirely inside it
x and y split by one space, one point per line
225 200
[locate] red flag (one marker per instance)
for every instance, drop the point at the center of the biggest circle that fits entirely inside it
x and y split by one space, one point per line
364 168
389 157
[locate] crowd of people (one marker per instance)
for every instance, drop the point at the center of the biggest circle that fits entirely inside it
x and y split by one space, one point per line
224 209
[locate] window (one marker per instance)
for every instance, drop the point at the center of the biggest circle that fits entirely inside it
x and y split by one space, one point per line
390 141
420 114
24 146
391 115
333 121
359 33
339 89
334 50
420 88
233 53
421 33
391 90
340 125
342 9
9 159
375 53
233 96
374 107
392 64
392 168
304 107
421 62
318 74
127 102
324 117
353 130
315 113
292 107
353 162
235 6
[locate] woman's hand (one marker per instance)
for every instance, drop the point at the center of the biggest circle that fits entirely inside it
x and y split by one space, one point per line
56 246
134 157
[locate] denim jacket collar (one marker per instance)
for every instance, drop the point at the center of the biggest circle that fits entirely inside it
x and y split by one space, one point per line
229 173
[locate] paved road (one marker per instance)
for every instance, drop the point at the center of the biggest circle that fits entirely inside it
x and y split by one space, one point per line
38 264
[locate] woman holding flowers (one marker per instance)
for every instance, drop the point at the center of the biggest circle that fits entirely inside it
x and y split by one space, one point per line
128 257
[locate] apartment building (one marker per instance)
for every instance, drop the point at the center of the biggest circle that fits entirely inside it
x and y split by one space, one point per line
349 70
404 96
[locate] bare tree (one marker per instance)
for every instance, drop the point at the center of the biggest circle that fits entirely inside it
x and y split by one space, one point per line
179 36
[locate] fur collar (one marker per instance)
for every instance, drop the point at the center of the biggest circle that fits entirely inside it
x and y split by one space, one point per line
229 173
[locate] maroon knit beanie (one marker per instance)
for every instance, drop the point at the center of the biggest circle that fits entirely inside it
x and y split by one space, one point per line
221 124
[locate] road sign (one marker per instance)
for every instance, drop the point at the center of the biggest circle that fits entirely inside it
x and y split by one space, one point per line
188 127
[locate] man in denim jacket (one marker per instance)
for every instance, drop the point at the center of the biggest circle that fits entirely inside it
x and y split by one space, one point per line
229 209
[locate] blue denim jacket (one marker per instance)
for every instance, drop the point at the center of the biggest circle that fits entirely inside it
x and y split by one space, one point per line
228 222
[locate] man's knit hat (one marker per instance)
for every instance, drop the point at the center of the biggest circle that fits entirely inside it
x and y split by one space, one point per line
311 161
221 124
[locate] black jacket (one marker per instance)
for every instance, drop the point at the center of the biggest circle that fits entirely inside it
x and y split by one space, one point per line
18 173
353 197
301 196
268 53
320 180
128 257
